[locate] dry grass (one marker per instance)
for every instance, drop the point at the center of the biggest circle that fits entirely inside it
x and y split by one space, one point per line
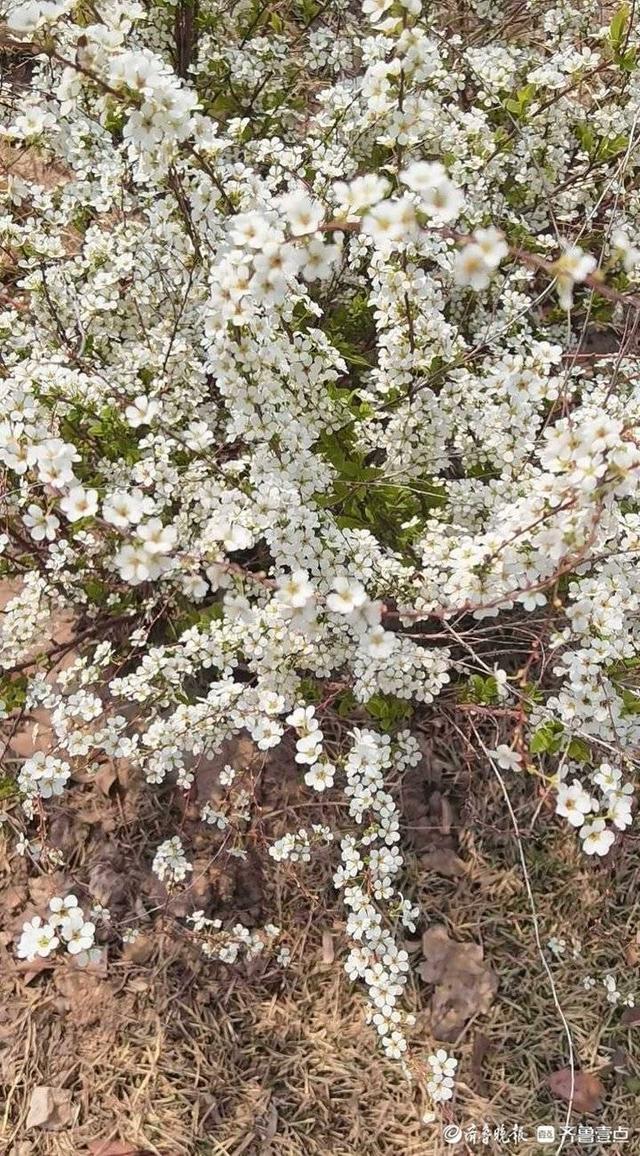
182 1057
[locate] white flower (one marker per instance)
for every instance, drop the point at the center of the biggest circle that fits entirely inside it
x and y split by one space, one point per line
320 776
630 251
573 266
492 244
155 537
506 758
361 193
295 589
304 214
252 230
38 939
62 907
379 643
619 810
347 596
471 268
78 935
194 586
40 524
597 838
142 411
122 508
134 564
170 861
266 733
303 718
557 946
25 18
573 802
309 747
440 197
607 777
319 259
375 9
79 503
44 775
391 222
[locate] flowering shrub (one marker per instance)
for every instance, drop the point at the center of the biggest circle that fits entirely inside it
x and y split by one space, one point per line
319 367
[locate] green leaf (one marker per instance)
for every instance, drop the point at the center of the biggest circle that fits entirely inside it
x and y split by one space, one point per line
13 692
630 702
579 751
388 710
547 739
345 704
310 690
618 26
482 690
8 787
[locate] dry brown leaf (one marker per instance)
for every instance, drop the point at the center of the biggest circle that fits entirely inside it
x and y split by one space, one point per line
443 861
83 993
586 1087
28 969
630 1017
139 950
42 888
481 1048
464 984
67 833
13 898
105 778
109 882
115 1148
50 1109
632 951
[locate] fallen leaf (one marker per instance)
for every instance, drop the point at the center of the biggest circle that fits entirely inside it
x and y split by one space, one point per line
481 1048
67 834
109 881
464 984
105 777
83 994
29 969
630 1017
586 1087
443 861
139 950
50 1109
619 1060
115 1148
42 888
13 898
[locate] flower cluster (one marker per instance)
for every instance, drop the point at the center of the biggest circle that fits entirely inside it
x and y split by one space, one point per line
170 863
592 814
227 944
442 1070
65 928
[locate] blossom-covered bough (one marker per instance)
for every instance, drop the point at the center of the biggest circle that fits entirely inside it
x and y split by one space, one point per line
319 379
